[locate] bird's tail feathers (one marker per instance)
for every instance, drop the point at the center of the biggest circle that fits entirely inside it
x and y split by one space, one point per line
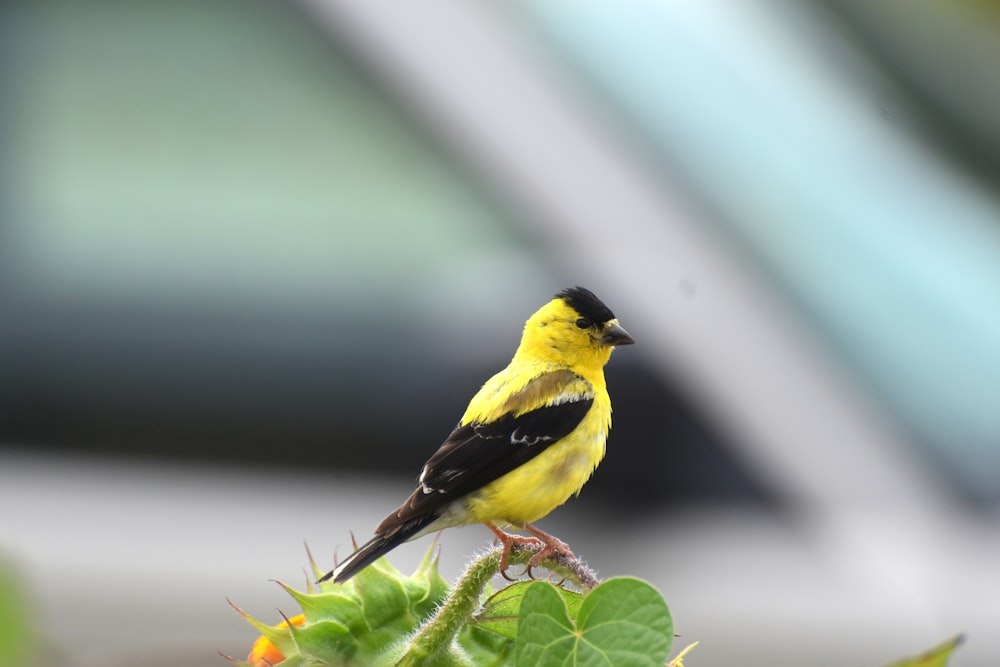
375 548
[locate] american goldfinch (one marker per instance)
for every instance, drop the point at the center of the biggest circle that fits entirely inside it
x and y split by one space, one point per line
530 438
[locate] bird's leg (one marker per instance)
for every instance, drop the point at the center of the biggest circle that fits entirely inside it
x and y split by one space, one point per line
508 541
551 546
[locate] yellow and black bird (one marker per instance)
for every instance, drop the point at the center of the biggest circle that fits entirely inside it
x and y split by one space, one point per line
530 438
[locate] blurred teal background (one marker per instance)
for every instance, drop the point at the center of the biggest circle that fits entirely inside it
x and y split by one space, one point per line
232 234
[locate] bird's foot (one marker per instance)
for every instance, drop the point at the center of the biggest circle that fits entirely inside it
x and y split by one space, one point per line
551 546
543 544
509 542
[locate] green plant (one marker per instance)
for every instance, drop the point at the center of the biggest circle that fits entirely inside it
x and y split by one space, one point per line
382 617
18 643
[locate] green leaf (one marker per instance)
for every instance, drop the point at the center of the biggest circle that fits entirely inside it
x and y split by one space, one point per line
335 606
383 598
623 622
935 657
500 611
426 588
545 633
325 638
485 649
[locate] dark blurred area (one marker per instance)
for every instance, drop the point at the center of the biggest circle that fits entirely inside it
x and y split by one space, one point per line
240 389
255 257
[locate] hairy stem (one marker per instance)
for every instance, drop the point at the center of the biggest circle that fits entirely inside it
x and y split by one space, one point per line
437 634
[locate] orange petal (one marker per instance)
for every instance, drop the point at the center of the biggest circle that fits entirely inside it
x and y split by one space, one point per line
266 654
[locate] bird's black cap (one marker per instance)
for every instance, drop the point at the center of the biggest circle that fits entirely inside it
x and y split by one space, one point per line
584 301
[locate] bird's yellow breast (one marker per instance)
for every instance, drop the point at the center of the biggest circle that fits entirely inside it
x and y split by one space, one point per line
532 490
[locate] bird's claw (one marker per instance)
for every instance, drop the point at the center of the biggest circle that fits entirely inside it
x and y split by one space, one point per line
543 545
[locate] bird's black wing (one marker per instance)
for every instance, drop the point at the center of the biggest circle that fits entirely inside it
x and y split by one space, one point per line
476 454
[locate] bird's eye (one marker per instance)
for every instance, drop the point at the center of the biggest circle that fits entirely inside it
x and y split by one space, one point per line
583 323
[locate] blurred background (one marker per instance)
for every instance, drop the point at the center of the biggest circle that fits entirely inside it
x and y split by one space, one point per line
255 257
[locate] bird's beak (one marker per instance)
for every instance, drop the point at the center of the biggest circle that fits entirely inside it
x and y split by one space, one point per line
615 334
